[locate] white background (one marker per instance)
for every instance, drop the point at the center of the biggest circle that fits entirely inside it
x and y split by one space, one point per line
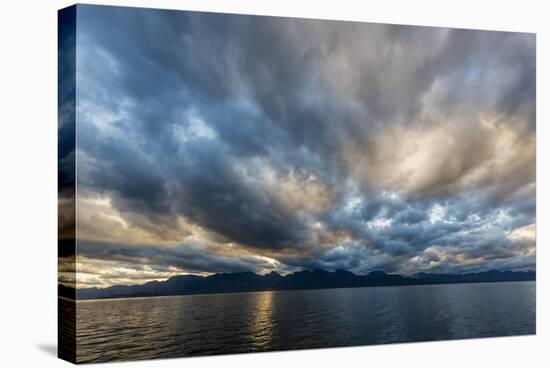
28 186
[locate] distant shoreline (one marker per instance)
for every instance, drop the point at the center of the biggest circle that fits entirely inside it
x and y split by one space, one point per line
245 282
285 290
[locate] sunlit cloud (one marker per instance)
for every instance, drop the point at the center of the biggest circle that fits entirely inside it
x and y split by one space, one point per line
240 144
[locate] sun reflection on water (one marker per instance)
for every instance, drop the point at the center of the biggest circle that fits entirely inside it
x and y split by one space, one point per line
261 325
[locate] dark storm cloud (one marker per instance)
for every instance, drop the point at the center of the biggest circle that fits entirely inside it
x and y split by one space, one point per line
66 137
466 224
66 105
323 144
189 257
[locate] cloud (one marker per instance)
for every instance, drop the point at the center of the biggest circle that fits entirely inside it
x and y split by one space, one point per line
105 262
315 143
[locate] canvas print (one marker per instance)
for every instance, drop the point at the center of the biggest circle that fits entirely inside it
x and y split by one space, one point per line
237 183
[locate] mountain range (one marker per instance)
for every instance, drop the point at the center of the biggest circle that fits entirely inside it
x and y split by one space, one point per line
316 279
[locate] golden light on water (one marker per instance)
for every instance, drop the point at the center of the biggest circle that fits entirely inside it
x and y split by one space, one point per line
261 327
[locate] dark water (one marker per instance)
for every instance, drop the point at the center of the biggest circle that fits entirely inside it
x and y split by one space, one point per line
143 328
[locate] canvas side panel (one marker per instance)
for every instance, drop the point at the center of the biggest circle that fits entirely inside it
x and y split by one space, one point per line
66 183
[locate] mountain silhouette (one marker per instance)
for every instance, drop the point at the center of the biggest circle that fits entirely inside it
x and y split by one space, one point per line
316 279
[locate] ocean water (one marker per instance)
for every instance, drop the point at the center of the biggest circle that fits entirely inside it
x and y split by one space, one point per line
192 325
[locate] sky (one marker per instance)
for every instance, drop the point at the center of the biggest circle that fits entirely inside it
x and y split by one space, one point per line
214 143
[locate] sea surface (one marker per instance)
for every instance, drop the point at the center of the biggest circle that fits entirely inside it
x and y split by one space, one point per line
178 326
